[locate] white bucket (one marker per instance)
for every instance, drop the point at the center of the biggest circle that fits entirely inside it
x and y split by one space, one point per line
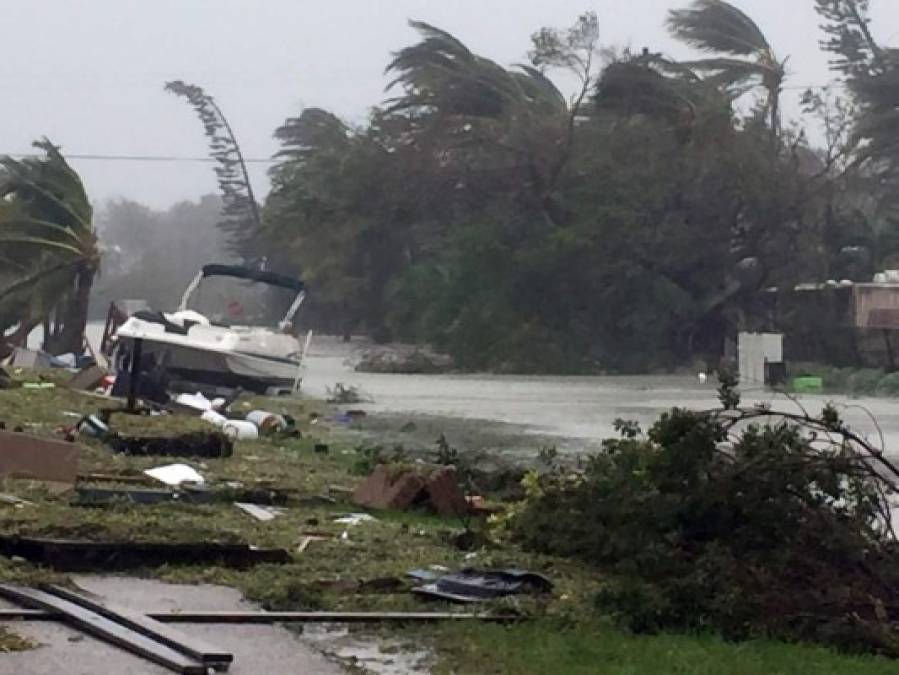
240 429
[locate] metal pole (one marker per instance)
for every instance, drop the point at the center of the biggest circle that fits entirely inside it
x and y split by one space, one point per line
136 353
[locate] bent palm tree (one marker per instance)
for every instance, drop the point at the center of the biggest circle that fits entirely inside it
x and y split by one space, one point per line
485 115
48 247
746 57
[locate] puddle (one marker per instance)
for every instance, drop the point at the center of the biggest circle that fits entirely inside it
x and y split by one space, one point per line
370 653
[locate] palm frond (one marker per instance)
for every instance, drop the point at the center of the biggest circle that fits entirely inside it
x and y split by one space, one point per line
717 26
45 244
35 278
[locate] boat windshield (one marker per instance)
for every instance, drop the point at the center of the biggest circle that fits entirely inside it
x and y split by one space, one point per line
230 301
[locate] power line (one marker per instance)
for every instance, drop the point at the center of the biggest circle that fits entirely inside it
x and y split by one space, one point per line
145 158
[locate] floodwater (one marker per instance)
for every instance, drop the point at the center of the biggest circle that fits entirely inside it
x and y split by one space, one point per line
579 410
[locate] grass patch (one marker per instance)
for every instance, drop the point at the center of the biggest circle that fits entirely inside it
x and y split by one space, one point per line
544 647
12 642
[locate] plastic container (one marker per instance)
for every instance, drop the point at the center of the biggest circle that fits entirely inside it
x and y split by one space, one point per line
266 422
808 385
240 430
92 426
214 418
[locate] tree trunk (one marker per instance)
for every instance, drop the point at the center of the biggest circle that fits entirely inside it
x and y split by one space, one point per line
19 337
70 339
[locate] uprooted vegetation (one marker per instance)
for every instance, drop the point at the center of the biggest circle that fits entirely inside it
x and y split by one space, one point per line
747 522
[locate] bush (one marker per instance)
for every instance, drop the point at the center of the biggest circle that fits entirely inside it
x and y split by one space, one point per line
717 521
865 381
889 385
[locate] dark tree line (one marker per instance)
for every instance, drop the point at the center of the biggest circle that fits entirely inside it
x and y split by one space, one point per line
631 226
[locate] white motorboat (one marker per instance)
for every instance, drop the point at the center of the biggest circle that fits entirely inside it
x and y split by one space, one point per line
226 347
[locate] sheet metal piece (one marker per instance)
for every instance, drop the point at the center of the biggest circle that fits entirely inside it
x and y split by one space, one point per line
212 656
105 629
226 617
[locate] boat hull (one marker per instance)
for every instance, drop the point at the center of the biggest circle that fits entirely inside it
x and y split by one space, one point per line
204 368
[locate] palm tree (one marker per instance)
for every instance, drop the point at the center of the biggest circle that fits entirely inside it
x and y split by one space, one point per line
48 247
510 121
745 58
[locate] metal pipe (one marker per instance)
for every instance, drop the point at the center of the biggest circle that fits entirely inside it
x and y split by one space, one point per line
281 617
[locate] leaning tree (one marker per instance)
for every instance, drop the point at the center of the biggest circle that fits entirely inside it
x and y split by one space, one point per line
49 254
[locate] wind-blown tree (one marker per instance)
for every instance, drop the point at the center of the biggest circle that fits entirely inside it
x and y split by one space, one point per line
870 167
48 249
240 212
626 228
513 122
744 58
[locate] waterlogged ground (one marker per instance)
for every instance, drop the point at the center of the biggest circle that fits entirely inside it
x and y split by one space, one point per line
576 412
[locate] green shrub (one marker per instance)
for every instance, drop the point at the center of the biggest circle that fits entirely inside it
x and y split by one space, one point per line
864 381
710 521
889 385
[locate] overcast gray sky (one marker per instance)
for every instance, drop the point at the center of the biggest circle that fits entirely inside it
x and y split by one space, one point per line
89 73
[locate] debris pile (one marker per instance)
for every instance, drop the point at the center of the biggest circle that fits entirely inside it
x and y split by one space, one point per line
399 487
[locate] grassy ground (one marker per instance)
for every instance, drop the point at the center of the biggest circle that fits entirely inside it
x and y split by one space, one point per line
365 569
543 647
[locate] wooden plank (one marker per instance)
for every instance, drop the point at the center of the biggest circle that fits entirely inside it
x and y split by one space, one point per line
213 657
105 629
26 456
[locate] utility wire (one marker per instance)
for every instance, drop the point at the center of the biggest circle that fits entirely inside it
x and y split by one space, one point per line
272 160
145 158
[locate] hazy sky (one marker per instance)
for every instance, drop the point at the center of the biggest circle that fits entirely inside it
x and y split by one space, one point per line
89 73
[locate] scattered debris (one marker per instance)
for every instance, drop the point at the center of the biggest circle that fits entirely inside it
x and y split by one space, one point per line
52 462
309 538
237 617
30 358
210 656
259 512
389 487
175 474
240 430
94 496
471 585
13 500
91 425
106 628
38 385
199 402
343 395
80 555
88 378
355 519
216 419
195 444
266 422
